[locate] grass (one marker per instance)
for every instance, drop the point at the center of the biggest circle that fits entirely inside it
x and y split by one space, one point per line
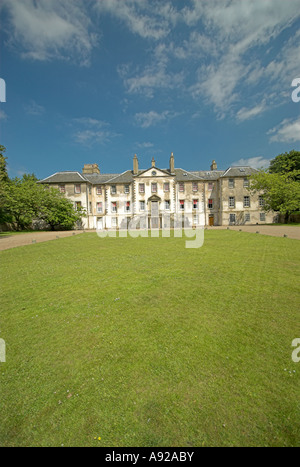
145 343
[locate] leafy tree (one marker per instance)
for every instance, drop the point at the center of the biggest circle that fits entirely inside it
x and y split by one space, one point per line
280 192
22 201
287 163
58 211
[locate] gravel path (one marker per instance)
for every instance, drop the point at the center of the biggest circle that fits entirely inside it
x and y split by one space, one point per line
13 241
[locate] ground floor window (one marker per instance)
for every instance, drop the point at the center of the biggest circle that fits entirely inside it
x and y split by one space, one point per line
232 218
262 217
247 217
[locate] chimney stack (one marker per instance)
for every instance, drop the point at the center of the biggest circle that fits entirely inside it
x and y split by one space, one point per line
172 164
135 165
91 169
213 165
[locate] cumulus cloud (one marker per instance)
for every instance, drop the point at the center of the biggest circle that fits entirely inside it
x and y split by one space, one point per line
46 30
258 162
288 131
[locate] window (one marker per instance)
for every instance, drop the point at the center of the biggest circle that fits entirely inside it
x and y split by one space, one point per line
77 205
154 187
261 201
231 183
231 201
195 203
210 203
141 187
195 186
77 189
127 206
181 205
62 188
232 219
113 189
126 189
210 186
246 201
167 205
247 217
181 187
246 182
142 205
114 222
90 207
195 219
166 187
99 190
99 207
262 216
114 207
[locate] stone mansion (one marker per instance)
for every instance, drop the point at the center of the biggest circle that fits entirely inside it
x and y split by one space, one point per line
157 196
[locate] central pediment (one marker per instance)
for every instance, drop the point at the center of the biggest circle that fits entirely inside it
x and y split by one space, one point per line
154 172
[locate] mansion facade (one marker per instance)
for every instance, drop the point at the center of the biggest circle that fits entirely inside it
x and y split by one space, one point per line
162 198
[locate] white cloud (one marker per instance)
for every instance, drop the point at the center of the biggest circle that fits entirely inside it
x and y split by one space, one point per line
3 115
34 109
246 114
254 162
90 131
47 30
147 119
146 19
288 131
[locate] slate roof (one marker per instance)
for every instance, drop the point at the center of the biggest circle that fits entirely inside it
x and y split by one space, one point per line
181 175
239 171
64 177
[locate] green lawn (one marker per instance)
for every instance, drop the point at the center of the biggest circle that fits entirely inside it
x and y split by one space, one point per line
143 342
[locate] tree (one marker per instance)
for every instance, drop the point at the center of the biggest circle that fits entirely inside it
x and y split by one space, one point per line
22 200
280 191
288 164
58 211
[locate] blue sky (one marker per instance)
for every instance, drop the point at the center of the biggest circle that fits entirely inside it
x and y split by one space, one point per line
100 80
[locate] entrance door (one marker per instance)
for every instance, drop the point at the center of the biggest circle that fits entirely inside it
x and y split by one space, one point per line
100 223
211 221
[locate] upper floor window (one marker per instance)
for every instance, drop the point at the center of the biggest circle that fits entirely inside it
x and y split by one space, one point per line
141 187
77 189
126 189
181 187
113 189
246 201
195 203
114 207
246 182
154 187
181 205
195 186
99 190
78 205
127 206
231 183
166 187
167 205
210 186
231 201
261 200
99 207
210 203
62 188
